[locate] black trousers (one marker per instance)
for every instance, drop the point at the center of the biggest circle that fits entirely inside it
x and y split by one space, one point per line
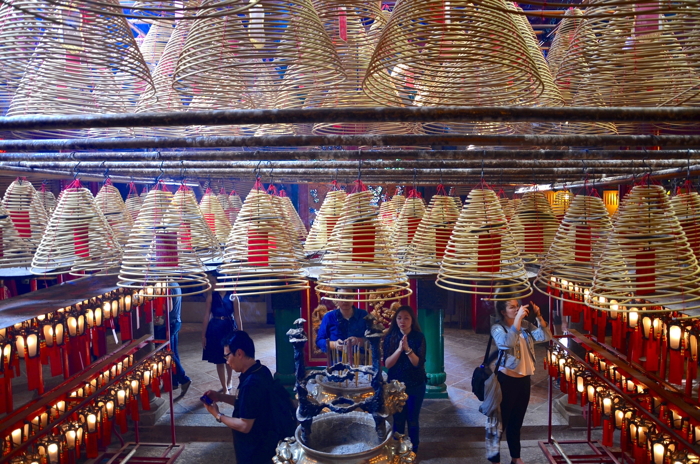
516 396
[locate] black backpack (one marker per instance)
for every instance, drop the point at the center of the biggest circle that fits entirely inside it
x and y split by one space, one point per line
483 372
283 410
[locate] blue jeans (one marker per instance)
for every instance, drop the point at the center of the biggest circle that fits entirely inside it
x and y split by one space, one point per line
159 333
410 413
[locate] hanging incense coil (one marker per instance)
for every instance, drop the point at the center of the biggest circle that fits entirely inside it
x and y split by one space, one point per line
228 54
20 32
14 250
647 256
26 210
346 22
214 216
110 203
432 236
686 206
563 36
326 219
89 65
426 47
508 207
78 237
534 227
232 205
406 224
235 201
552 95
359 255
387 215
223 201
398 200
573 257
194 232
154 43
155 253
633 59
259 257
47 199
458 202
561 203
481 256
292 217
133 202
165 98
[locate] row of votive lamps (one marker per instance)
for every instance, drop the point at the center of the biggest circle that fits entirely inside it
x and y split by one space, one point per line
639 436
51 329
83 429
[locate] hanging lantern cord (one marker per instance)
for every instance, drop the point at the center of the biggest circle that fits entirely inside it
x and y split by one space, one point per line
256 171
161 173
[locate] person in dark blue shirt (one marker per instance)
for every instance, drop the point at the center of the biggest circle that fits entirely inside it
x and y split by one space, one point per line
180 377
344 325
404 357
252 421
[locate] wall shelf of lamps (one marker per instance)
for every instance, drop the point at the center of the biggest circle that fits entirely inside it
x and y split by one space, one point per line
64 329
656 426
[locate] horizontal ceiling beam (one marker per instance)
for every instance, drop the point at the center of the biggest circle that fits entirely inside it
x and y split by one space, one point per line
238 154
352 115
446 165
666 141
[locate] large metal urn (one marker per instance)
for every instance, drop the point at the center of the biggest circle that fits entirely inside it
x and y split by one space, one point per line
344 439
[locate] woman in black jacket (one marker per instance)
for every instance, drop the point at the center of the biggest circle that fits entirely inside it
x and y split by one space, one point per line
404 356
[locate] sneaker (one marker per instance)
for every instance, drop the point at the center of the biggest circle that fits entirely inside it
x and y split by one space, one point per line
185 387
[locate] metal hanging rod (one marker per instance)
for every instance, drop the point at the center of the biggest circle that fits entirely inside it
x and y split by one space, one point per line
476 155
347 115
627 178
320 173
447 165
687 141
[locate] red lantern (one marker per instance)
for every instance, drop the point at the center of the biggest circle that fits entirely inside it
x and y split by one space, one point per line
54 339
676 345
27 344
91 419
7 351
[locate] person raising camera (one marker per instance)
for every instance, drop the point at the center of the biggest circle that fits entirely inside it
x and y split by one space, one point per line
515 338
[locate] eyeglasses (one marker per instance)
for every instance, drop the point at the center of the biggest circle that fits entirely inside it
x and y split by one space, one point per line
226 355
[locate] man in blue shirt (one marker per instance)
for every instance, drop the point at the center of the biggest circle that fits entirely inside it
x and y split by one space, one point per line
180 377
342 326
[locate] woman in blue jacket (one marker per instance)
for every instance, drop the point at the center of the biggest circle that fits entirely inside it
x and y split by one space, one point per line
516 340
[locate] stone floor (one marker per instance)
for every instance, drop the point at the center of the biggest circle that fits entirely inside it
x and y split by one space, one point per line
451 429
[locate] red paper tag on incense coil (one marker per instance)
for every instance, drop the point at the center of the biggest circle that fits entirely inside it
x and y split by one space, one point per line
342 24
534 239
644 273
81 242
442 237
166 249
258 248
489 253
21 221
582 250
411 228
363 236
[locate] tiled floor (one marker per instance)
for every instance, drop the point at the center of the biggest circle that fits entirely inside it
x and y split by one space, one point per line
455 422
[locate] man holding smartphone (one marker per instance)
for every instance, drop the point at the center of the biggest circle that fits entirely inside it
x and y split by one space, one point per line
254 439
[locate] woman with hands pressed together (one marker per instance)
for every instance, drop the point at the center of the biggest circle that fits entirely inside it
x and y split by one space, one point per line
515 338
404 357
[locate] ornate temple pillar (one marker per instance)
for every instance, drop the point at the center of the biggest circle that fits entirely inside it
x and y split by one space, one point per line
287 309
430 301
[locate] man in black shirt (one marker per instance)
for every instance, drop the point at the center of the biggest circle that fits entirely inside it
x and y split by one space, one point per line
254 439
